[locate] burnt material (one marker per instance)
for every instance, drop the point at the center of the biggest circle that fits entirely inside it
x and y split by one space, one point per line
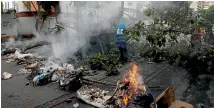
145 100
71 81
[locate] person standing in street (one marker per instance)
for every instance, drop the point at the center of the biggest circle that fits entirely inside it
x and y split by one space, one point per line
121 42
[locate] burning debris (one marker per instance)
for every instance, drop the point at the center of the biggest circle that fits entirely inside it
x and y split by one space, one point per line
131 91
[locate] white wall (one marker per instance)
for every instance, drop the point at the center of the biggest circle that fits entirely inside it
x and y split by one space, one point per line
194 5
8 24
26 25
19 6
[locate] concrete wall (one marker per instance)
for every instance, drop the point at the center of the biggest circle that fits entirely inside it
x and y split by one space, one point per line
8 24
26 20
26 25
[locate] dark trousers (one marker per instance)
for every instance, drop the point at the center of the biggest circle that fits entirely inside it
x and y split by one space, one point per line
123 54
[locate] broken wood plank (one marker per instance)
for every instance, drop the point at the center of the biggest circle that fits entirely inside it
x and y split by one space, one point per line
36 44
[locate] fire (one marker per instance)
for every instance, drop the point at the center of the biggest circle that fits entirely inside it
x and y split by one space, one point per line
125 99
134 85
133 77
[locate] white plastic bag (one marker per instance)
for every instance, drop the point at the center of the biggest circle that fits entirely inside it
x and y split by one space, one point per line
6 75
55 77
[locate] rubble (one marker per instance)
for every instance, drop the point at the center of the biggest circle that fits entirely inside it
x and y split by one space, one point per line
93 96
25 71
18 54
32 66
42 79
6 75
55 77
76 105
70 80
35 44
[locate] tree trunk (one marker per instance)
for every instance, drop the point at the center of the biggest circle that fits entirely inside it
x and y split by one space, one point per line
42 25
57 11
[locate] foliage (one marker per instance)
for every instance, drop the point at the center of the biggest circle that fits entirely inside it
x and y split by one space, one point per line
108 62
47 6
162 35
200 62
207 17
43 15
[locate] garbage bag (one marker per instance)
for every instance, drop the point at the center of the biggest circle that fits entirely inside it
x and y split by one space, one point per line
6 75
42 79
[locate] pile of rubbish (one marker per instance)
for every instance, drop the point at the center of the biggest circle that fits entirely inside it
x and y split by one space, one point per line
6 75
129 93
50 72
23 58
93 96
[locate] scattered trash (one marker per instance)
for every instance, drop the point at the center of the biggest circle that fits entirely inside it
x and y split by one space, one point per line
32 66
75 105
21 56
68 66
6 75
69 99
24 71
93 96
28 83
6 51
70 81
42 79
55 77
200 105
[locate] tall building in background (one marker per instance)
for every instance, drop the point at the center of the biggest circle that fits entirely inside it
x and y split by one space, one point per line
199 5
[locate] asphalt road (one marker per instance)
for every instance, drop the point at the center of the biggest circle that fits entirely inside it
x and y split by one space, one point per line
14 93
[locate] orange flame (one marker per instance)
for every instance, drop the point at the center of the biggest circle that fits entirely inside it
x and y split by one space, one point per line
125 99
134 85
133 78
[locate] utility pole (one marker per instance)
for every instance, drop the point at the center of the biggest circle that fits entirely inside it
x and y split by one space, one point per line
122 9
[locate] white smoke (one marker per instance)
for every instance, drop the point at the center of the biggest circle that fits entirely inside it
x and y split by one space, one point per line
81 23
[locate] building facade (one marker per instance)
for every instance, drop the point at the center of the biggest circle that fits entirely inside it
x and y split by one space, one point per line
26 15
199 5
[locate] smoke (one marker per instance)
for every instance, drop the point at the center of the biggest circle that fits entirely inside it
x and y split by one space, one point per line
81 22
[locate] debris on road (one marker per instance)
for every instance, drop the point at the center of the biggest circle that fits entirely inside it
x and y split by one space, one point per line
55 77
93 96
25 71
32 66
42 79
6 51
6 75
35 44
69 99
70 80
76 105
19 55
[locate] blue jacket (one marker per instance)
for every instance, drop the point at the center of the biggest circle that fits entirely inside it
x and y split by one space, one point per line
120 39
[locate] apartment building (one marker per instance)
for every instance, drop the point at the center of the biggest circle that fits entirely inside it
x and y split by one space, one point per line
199 5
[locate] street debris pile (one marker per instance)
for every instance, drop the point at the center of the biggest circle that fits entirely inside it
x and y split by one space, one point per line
93 96
6 75
129 92
22 58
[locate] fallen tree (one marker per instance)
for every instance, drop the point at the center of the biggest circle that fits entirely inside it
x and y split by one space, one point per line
35 44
